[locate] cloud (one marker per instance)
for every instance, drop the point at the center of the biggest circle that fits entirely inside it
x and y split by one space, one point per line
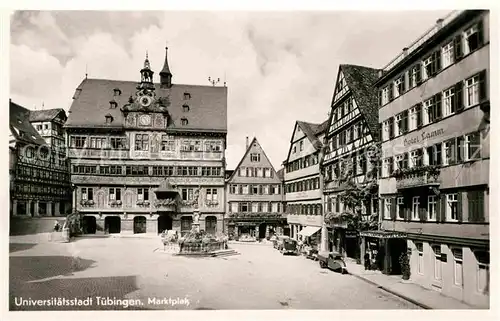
279 66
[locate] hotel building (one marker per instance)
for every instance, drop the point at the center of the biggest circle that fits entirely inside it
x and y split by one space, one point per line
434 110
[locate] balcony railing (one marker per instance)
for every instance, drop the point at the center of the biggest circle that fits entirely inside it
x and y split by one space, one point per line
417 177
417 43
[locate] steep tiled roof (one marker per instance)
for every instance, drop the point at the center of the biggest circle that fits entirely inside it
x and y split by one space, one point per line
312 131
281 174
45 115
360 81
20 126
207 105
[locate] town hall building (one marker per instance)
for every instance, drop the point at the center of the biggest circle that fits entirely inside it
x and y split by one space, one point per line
143 153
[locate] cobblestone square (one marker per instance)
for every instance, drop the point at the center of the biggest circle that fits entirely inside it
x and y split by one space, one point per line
127 273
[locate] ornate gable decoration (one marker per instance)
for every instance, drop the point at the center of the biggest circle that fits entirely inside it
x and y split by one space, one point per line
145 100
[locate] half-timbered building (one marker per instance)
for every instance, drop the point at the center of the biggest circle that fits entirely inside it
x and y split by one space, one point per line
130 142
254 197
39 176
351 135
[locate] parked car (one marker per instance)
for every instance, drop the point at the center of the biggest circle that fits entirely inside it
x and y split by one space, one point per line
332 261
278 243
289 247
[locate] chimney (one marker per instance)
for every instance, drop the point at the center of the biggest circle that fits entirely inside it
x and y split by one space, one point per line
246 144
380 73
439 23
405 51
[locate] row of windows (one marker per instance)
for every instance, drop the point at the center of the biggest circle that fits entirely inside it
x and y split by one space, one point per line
142 142
482 265
452 100
350 134
344 109
357 161
142 170
453 151
443 208
256 172
334 205
263 189
304 162
98 142
40 189
305 185
451 52
304 209
115 194
47 156
25 171
255 207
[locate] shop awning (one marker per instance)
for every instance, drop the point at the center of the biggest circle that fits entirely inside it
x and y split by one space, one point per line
309 230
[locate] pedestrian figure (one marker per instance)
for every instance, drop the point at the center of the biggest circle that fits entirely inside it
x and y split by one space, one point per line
56 226
367 261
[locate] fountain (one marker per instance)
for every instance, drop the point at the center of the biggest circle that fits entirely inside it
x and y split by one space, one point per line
196 242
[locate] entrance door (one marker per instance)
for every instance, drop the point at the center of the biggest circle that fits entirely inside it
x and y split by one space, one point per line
262 230
437 266
53 210
186 224
211 225
89 225
139 224
112 224
164 223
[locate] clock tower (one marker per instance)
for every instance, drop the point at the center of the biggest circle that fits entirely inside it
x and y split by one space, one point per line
146 109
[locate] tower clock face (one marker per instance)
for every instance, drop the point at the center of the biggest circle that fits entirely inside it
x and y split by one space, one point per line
145 120
145 101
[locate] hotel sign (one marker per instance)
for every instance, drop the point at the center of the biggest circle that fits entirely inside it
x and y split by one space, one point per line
424 136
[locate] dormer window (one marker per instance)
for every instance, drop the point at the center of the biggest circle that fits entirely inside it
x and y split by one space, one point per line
109 119
184 121
117 92
185 108
113 104
187 96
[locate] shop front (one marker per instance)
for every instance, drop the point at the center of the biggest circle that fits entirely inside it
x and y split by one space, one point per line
380 250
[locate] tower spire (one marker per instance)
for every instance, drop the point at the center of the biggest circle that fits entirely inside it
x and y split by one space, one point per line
165 74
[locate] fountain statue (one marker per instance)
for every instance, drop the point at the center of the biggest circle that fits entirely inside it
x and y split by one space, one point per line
196 210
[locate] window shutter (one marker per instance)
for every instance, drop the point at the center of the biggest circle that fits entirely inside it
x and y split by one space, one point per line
379 99
391 91
480 33
459 96
437 62
472 206
240 189
407 206
438 208
260 189
457 47
460 149
418 74
422 208
459 206
438 110
480 206
442 212
419 115
405 121
393 208
482 85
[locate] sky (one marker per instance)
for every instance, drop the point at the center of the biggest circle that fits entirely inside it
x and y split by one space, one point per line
280 67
